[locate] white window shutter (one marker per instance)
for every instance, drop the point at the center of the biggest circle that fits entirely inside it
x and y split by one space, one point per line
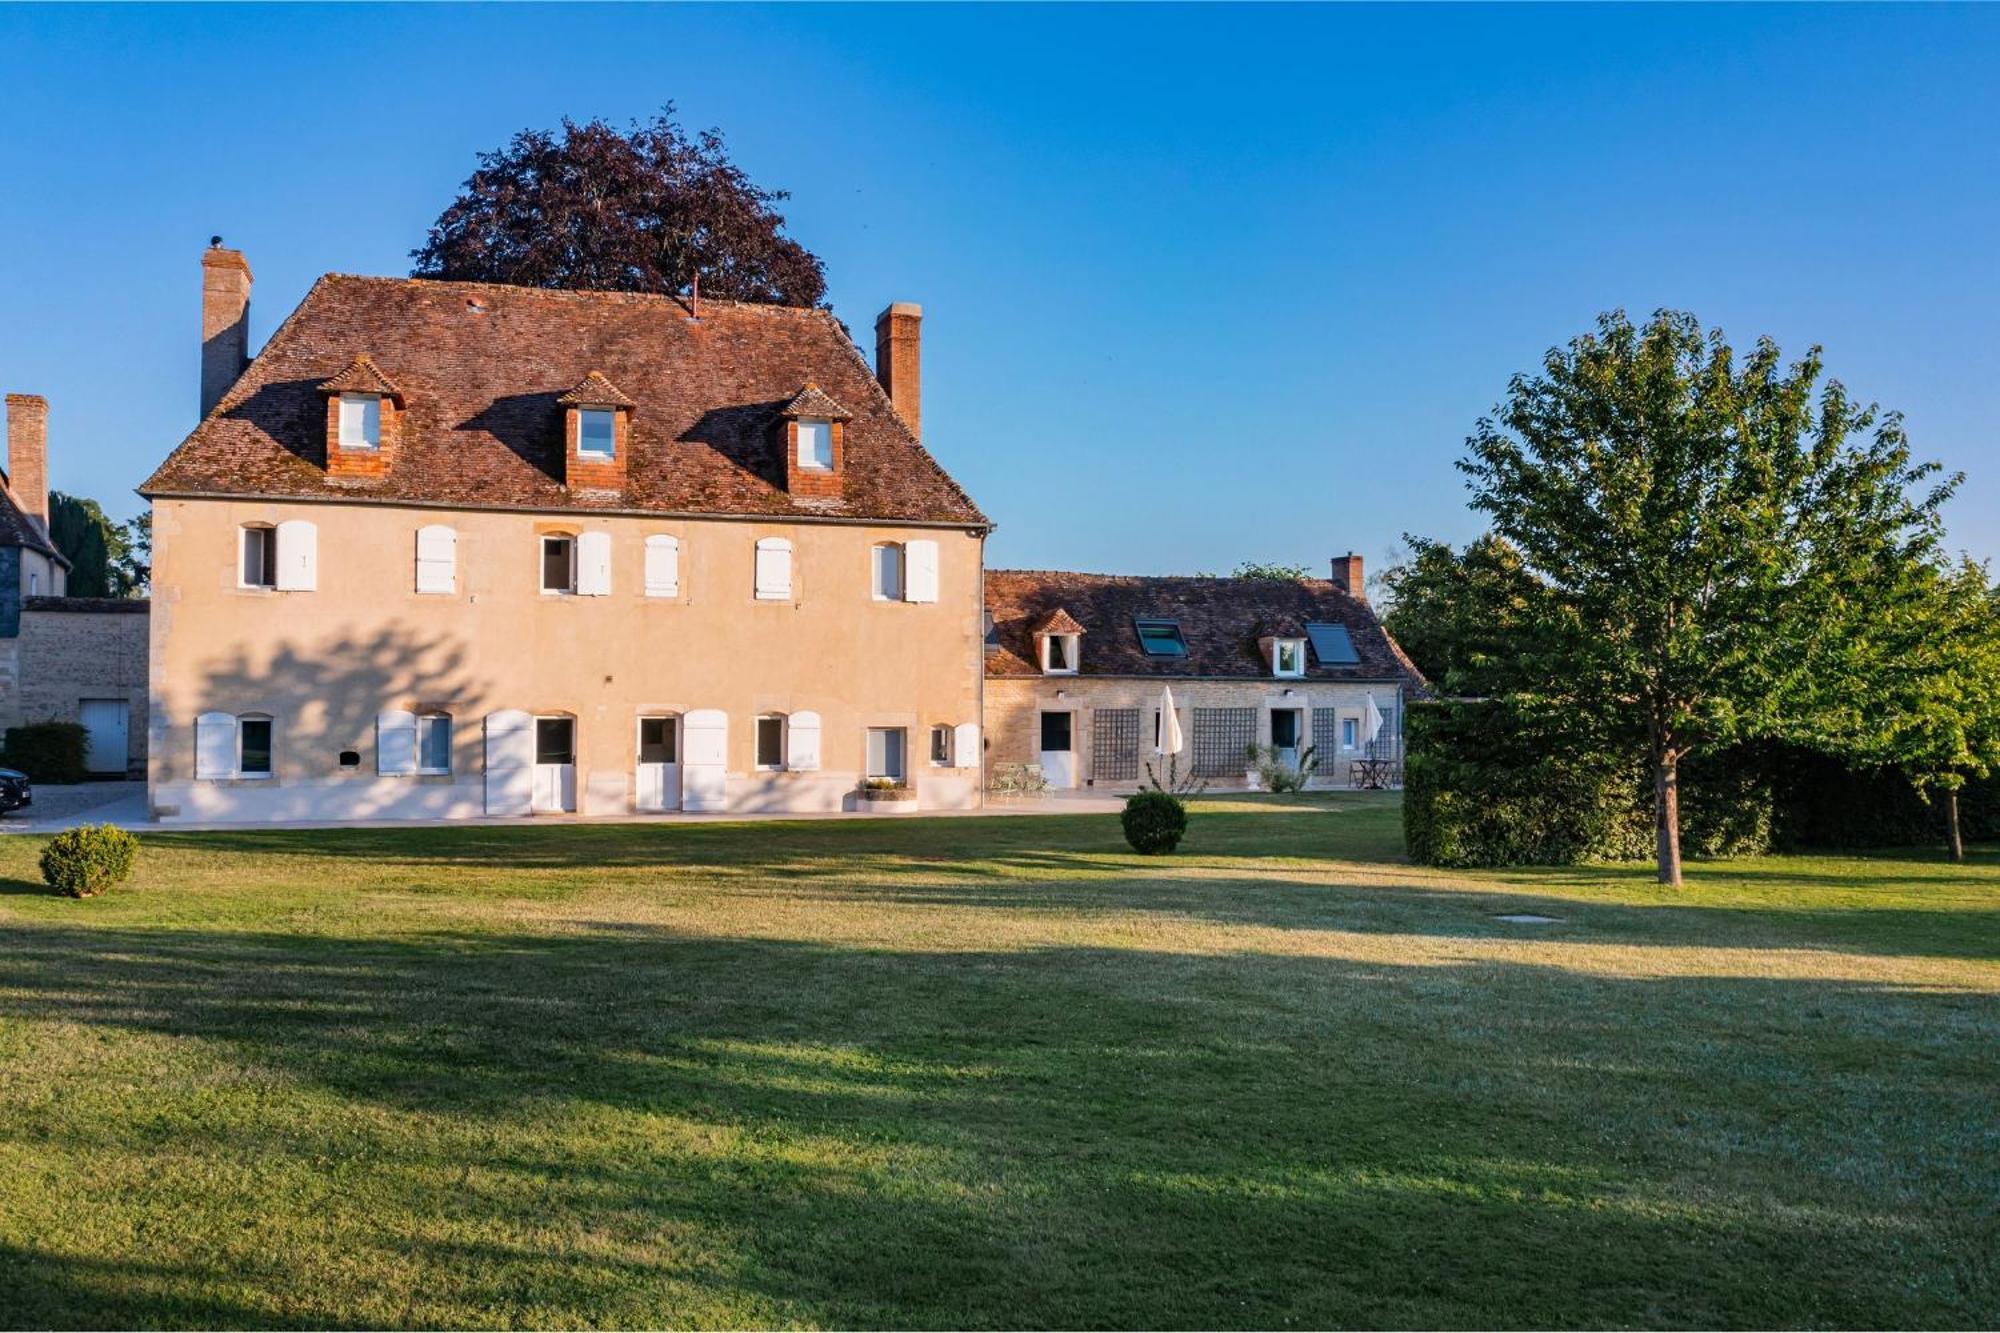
395 742
920 575
774 569
802 741
704 759
437 558
298 555
663 565
965 745
510 762
593 564
215 746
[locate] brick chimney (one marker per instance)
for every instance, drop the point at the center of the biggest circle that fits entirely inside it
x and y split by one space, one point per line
28 455
899 361
1347 575
225 321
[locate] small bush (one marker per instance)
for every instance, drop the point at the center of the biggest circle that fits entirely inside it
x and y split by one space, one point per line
46 751
83 862
1154 822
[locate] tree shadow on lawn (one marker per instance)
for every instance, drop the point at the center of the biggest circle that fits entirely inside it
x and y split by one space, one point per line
651 1127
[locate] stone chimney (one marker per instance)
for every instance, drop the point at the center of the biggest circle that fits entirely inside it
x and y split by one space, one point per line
1347 575
899 361
28 455
225 321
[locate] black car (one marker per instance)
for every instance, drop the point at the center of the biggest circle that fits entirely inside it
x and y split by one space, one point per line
14 790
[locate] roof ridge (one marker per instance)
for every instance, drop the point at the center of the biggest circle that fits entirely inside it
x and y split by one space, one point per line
672 298
1157 578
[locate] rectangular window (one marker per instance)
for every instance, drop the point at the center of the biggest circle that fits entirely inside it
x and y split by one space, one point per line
885 752
1161 638
260 557
1332 645
1288 658
656 740
555 740
1350 733
596 428
558 564
1061 652
1055 732
770 741
888 572
253 739
360 421
434 743
941 747
816 446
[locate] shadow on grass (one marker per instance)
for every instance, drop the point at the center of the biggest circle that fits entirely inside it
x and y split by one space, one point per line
1066 1135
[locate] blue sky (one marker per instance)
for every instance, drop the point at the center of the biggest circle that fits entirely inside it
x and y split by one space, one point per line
1202 284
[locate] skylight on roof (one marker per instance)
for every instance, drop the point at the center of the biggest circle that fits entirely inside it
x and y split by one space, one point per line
1161 638
1332 644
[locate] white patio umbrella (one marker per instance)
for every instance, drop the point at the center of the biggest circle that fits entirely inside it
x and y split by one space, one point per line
1371 719
1168 741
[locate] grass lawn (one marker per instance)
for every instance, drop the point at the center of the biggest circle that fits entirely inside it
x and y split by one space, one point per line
976 1072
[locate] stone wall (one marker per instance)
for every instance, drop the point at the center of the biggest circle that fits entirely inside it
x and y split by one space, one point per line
74 648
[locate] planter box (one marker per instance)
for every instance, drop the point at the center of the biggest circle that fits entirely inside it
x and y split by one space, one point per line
894 801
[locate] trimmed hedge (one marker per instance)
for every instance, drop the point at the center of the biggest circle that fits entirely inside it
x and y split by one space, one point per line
1154 822
47 751
85 861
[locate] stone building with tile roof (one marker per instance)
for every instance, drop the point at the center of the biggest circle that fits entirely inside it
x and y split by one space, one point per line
452 549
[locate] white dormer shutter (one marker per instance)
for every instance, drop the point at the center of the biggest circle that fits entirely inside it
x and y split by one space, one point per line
802 741
965 745
215 746
774 570
395 742
663 565
593 564
437 558
298 556
920 578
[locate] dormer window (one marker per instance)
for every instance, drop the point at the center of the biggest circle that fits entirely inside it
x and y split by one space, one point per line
597 432
360 421
1059 654
1288 657
815 445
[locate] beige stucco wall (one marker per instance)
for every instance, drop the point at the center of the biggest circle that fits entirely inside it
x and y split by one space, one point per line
323 663
1014 705
42 576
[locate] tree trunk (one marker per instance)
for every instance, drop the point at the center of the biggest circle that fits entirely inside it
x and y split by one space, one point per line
1954 841
1667 816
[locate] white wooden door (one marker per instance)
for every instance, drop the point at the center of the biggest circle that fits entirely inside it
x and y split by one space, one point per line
104 720
1059 749
555 766
705 759
658 770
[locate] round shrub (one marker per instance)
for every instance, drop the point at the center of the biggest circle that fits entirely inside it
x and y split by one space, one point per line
1154 822
85 861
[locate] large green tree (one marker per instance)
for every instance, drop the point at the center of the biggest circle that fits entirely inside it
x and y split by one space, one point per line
98 550
1706 540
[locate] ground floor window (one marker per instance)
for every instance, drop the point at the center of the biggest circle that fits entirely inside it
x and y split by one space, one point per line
885 752
253 747
941 747
1350 733
434 743
771 741
656 740
555 740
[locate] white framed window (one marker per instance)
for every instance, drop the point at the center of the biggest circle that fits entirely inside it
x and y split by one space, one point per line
663 565
253 745
886 571
815 445
558 563
771 741
257 563
1288 657
885 752
434 743
437 559
360 421
1350 733
941 738
596 432
1059 654
774 569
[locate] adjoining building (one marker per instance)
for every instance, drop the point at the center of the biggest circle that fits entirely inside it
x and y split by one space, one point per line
1075 664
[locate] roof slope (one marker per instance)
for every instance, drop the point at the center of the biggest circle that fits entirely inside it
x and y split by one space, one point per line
17 529
1220 618
482 365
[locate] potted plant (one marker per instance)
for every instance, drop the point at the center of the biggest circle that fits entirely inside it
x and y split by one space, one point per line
885 796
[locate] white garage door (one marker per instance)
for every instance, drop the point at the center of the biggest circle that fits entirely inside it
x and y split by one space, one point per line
105 720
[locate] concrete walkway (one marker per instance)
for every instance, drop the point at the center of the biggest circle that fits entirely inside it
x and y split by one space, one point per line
60 806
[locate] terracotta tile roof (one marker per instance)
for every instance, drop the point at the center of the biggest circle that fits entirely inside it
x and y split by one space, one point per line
1221 619
17 529
813 401
482 366
593 390
1057 621
363 376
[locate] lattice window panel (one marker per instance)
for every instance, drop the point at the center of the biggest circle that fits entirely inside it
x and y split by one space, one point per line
1221 735
1326 737
1114 742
